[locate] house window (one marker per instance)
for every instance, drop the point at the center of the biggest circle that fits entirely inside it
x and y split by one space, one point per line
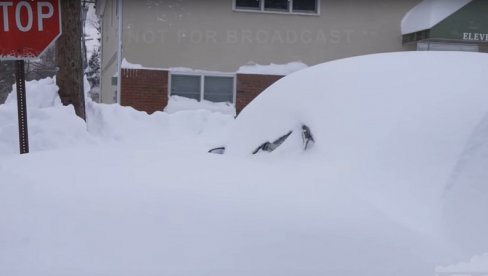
279 6
248 4
276 5
186 86
305 6
218 89
203 87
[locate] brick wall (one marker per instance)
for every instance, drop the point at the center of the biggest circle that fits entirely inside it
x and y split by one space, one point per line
249 86
144 90
147 90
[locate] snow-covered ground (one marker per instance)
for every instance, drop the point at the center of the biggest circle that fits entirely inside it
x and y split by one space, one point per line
394 184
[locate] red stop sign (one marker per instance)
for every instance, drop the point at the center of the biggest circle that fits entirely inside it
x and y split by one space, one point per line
28 27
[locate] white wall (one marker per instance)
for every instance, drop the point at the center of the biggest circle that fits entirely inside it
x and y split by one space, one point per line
210 35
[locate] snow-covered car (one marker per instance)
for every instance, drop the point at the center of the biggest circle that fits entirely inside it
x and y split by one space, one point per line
411 123
426 96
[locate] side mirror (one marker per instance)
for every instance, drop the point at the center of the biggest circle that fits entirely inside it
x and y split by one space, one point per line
307 137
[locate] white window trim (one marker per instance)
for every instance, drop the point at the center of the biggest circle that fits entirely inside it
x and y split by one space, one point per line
202 82
446 46
290 9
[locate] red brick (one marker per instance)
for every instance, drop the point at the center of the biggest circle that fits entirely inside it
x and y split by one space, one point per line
249 86
145 90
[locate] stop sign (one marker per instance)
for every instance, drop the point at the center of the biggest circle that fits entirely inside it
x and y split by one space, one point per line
28 27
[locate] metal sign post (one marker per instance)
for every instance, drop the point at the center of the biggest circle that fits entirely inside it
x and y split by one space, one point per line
21 106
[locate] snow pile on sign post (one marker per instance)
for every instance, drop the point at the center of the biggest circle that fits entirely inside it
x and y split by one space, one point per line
51 125
140 195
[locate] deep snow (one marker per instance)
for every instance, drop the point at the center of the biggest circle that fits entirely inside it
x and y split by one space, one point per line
400 149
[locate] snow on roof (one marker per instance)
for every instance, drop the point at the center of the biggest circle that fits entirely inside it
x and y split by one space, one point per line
250 68
272 69
429 13
127 65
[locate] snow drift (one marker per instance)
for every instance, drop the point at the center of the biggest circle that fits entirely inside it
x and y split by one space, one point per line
138 194
51 125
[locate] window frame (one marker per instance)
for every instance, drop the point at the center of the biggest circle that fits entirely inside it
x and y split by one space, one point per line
426 45
170 83
290 9
202 83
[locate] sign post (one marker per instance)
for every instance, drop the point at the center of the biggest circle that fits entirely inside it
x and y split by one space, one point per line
27 28
21 106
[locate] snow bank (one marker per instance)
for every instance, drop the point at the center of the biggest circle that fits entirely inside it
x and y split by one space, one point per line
477 264
53 126
429 13
39 94
177 103
272 69
171 212
50 124
126 125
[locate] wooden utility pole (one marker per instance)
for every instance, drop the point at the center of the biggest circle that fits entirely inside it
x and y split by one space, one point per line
69 58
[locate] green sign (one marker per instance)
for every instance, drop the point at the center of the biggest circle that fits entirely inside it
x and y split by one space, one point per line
470 24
